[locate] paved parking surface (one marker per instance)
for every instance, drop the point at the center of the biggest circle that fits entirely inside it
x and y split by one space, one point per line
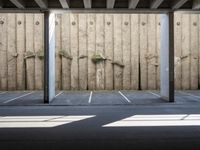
92 98
141 127
71 98
109 120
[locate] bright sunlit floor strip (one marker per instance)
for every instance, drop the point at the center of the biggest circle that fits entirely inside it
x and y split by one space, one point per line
38 121
158 120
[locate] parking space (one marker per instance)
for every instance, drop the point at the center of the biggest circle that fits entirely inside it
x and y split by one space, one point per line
101 98
8 97
33 98
108 98
144 97
188 96
21 98
195 93
72 98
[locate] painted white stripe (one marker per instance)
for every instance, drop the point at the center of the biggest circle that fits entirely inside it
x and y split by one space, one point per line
10 100
58 94
90 98
189 94
3 92
157 95
124 97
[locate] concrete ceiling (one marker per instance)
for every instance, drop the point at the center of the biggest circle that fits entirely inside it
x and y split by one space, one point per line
101 4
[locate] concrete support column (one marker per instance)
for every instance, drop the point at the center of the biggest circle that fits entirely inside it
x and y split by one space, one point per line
49 56
167 56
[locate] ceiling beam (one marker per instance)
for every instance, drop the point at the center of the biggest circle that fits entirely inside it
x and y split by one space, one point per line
110 4
133 4
18 3
178 3
196 4
87 3
64 3
42 3
156 3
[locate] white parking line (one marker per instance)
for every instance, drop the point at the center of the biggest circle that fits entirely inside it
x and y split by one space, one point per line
3 92
90 98
157 95
58 94
189 94
124 97
17 97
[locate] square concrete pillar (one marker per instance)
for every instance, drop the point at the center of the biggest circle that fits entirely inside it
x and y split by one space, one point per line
49 56
167 57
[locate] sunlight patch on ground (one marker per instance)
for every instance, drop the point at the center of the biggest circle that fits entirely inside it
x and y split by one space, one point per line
158 120
38 121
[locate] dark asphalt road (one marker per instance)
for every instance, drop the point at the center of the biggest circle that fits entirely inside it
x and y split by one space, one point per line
90 133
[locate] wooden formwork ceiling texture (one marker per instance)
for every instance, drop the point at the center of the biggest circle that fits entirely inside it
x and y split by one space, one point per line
101 4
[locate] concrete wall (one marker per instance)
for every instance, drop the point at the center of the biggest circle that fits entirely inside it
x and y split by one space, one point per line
97 51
